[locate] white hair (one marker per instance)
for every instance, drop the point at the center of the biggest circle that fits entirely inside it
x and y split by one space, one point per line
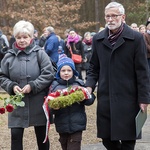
50 29
87 33
23 26
116 5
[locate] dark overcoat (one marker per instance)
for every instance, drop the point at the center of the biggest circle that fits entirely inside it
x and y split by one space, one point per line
30 66
123 79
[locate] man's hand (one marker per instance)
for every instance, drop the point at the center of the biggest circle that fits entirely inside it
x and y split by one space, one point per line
143 107
89 89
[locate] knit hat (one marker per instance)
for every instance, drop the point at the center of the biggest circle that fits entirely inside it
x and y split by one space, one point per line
64 60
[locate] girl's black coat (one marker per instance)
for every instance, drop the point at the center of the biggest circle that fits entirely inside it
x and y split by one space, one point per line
72 118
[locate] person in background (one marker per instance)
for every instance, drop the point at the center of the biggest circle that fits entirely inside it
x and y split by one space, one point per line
5 38
87 44
51 44
119 65
26 69
142 28
36 37
43 37
92 34
4 45
74 42
11 41
134 26
71 120
61 42
148 21
66 33
147 41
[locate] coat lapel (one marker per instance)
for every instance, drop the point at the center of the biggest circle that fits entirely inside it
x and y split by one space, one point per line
119 42
103 35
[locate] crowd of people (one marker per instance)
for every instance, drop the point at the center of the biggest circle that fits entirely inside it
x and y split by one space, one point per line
116 60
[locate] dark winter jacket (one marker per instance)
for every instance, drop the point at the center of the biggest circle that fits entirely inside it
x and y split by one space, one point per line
30 66
123 79
71 118
87 53
42 41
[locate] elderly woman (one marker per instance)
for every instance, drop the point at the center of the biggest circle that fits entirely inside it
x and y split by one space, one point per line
87 44
26 69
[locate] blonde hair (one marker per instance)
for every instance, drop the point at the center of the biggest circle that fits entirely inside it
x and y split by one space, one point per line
142 25
23 26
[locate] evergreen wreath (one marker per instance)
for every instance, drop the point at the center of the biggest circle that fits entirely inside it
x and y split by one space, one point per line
67 97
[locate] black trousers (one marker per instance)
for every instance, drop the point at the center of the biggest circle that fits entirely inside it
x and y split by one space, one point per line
70 141
119 145
17 138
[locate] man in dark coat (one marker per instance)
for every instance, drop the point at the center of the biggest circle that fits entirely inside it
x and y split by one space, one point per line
120 67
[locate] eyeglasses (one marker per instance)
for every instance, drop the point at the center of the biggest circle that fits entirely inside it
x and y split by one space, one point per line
112 16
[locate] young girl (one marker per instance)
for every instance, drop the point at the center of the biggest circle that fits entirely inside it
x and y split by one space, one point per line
71 120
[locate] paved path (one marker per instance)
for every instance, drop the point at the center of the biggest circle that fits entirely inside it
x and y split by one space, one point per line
143 144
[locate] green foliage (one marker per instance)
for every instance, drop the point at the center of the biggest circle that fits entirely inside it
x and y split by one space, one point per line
68 100
14 100
136 13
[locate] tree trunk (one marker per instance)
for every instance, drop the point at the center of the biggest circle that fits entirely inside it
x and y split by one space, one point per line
97 19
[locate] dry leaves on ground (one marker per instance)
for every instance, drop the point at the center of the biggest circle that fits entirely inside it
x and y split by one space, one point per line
89 136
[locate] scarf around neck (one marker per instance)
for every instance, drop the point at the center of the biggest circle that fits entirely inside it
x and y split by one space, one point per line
20 48
114 36
75 39
87 42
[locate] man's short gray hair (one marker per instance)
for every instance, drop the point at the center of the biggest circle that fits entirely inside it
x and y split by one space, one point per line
50 29
116 5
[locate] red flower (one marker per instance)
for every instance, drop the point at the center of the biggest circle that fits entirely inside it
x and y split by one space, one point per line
57 93
65 93
76 88
9 108
2 110
71 91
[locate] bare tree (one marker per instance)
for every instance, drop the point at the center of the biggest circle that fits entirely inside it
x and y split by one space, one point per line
147 7
97 14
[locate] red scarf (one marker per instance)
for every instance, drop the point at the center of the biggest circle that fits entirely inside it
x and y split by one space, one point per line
87 42
113 37
20 48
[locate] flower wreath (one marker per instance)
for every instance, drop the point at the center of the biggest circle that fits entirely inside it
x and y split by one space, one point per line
11 103
63 98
